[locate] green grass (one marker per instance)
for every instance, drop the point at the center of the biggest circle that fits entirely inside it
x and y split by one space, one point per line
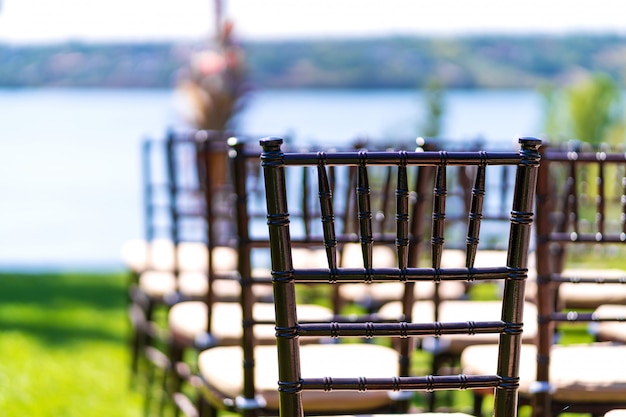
64 348
63 344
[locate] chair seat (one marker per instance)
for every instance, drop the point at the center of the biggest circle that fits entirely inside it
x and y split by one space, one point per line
581 373
221 367
187 321
381 293
460 311
139 256
452 290
159 284
352 256
592 295
611 330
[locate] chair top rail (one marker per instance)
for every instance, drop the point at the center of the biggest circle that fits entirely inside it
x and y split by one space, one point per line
590 237
428 158
569 156
575 316
580 279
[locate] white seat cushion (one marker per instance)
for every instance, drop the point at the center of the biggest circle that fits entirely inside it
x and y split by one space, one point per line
139 255
592 295
157 284
581 373
611 330
134 254
385 292
188 320
461 311
221 367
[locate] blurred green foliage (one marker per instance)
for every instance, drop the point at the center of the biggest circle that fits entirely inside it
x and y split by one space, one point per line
589 109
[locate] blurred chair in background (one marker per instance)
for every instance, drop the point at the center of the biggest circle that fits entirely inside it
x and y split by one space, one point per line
155 253
226 335
454 301
181 269
580 225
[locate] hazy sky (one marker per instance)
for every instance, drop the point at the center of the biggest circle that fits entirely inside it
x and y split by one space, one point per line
102 20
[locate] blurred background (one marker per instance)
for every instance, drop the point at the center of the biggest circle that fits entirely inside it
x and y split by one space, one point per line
83 83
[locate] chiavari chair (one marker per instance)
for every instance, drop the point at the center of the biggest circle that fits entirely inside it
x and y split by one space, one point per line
310 383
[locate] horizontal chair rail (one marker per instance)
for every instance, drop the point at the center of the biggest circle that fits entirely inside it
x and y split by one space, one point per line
574 316
589 280
564 156
379 275
432 158
306 241
426 383
588 237
401 329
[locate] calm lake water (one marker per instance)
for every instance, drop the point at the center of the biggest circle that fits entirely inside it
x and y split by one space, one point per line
70 187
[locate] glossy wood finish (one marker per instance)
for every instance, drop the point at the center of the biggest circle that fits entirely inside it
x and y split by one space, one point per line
578 193
289 331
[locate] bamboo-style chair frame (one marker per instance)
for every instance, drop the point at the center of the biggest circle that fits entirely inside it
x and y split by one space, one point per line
247 203
162 217
289 331
189 199
139 253
561 227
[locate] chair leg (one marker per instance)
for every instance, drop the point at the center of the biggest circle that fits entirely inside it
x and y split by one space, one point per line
176 353
478 404
164 392
205 409
134 358
147 404
136 347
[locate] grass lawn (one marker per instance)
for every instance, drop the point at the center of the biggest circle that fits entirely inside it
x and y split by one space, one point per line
63 344
64 348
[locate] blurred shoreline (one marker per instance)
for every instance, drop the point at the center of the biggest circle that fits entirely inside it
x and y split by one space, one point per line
468 62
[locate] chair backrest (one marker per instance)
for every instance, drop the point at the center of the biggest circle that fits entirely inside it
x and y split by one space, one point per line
581 216
253 245
156 244
196 171
276 167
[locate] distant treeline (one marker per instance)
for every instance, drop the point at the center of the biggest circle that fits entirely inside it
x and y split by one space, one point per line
399 62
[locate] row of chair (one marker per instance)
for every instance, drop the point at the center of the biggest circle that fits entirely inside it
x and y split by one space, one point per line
581 219
365 245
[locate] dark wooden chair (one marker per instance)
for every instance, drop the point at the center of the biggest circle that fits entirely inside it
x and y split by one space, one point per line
180 264
222 332
577 232
437 302
166 254
155 251
317 381
580 224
